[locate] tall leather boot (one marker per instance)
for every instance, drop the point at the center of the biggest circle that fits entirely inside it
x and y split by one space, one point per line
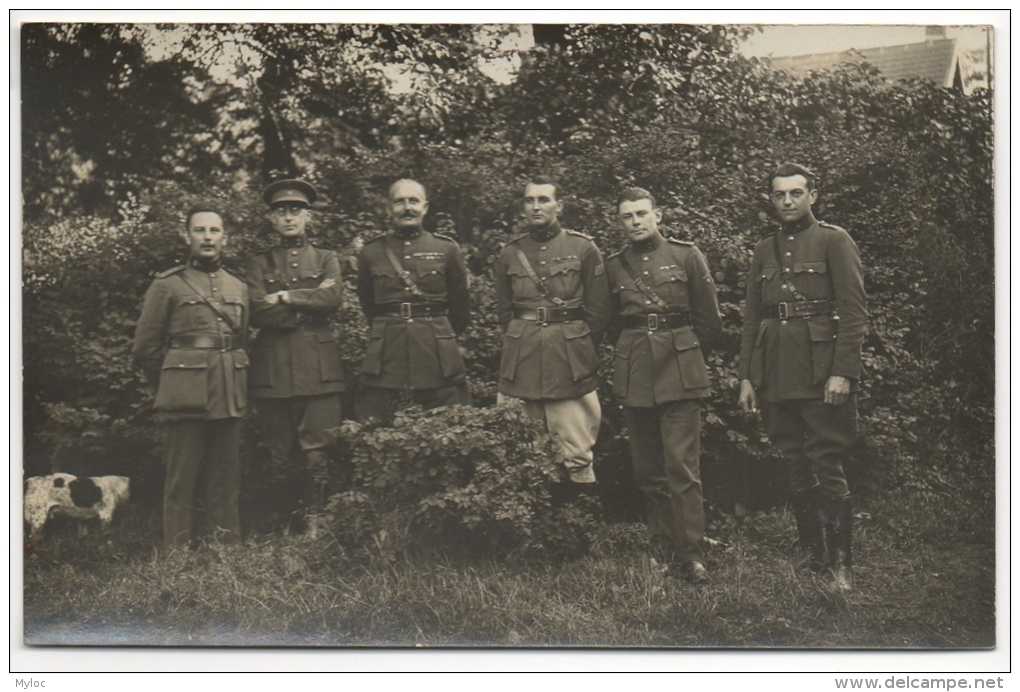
838 523
810 538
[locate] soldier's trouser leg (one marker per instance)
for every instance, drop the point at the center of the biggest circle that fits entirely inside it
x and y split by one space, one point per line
223 477
646 456
830 432
785 428
454 395
191 446
185 450
315 418
280 436
681 442
576 421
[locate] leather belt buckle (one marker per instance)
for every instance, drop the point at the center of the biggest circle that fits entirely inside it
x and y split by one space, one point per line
405 311
541 315
226 342
653 321
784 311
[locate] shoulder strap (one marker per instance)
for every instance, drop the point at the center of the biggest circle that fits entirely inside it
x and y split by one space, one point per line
642 286
404 275
225 316
539 281
171 272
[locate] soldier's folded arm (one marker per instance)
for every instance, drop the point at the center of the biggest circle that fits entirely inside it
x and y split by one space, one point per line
704 301
321 299
596 293
457 296
152 330
264 314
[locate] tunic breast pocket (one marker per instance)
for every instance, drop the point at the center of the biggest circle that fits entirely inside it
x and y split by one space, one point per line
769 281
190 314
430 275
671 286
813 279
565 276
524 289
233 307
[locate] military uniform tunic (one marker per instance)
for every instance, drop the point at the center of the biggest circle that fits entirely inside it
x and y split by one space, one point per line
295 352
793 358
188 341
420 353
790 360
556 360
659 377
656 367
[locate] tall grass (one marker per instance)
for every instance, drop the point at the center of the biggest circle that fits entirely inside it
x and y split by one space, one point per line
289 591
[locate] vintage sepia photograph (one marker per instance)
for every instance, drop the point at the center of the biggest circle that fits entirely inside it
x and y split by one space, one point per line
347 330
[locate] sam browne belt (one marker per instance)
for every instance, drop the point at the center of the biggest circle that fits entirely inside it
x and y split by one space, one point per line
412 310
223 342
545 315
656 321
807 308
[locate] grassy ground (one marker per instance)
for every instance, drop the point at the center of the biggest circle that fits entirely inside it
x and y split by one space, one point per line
913 590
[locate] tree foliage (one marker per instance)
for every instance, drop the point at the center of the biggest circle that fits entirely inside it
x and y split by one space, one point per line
125 124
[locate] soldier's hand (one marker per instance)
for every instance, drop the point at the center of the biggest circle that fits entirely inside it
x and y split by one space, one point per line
328 283
274 298
837 390
748 399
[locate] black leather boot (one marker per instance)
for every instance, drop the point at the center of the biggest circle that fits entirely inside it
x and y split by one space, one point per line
838 512
810 538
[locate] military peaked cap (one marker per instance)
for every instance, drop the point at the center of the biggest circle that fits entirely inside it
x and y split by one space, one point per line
290 190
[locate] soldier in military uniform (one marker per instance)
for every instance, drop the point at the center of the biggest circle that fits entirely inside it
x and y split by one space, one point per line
413 289
800 354
553 304
296 375
189 341
666 313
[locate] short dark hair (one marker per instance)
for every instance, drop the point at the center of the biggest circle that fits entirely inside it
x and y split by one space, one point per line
200 207
785 170
635 194
542 180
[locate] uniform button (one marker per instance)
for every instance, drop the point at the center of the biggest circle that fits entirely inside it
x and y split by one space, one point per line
294 264
648 302
789 237
407 257
785 287
543 248
219 319
213 275
782 323
542 262
215 289
787 254
293 253
810 271
644 259
181 365
645 273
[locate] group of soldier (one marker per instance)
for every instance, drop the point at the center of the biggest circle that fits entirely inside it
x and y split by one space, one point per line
557 299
